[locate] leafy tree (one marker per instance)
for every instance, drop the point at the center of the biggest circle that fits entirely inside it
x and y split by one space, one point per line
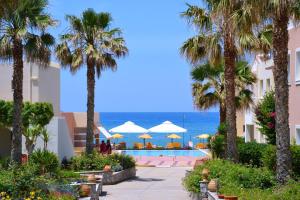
209 86
280 13
265 115
221 33
90 41
35 117
23 36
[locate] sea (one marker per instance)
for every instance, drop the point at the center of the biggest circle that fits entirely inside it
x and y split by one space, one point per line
196 123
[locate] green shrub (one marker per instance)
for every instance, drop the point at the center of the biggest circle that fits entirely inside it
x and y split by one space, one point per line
265 115
269 159
217 146
97 161
222 129
251 153
4 163
45 161
231 175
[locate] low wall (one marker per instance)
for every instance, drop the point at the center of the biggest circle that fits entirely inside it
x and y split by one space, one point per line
111 178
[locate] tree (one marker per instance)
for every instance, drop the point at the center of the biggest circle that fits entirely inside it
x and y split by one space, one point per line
220 32
209 87
280 13
35 116
91 42
23 35
265 115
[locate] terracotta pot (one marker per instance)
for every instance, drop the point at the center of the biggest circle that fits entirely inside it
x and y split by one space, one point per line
221 196
231 198
107 168
85 191
91 178
205 173
212 185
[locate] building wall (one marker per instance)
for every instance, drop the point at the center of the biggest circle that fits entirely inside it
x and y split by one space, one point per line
240 122
39 84
265 82
294 89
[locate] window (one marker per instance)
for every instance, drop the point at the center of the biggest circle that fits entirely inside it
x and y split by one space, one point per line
268 85
261 88
289 68
297 73
297 135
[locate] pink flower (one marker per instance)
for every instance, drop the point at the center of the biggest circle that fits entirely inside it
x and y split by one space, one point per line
271 125
272 114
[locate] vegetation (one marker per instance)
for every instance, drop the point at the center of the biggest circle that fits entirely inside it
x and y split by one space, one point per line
97 161
265 115
23 35
35 116
45 161
221 36
209 86
244 182
91 42
280 13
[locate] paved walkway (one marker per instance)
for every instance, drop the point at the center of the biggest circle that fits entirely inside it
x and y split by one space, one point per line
166 161
151 184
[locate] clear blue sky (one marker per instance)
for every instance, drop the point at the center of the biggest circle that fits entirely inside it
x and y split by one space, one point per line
154 77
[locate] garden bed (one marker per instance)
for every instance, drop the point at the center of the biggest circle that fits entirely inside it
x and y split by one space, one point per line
111 178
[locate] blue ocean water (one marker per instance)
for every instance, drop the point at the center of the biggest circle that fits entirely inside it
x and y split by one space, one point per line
195 122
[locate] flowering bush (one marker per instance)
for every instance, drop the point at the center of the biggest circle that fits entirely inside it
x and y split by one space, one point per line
265 115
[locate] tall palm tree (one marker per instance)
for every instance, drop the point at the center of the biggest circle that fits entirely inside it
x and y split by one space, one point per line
280 13
91 42
23 36
209 87
220 34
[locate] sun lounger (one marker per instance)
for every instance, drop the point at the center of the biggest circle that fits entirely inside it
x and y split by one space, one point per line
201 146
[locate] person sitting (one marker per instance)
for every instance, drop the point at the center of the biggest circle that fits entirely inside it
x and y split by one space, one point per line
108 147
102 147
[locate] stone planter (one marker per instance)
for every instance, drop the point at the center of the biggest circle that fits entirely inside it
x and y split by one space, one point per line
111 178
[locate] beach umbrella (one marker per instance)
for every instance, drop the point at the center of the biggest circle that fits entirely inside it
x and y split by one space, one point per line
203 136
168 127
117 136
128 127
104 132
173 136
144 137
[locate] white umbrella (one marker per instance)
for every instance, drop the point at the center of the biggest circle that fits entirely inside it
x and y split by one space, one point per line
104 132
128 127
167 127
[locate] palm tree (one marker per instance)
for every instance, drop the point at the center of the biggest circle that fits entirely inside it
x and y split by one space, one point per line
23 36
209 87
280 13
221 33
91 42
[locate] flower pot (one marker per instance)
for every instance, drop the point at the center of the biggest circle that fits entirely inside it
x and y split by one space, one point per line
212 185
107 168
91 178
221 196
85 191
231 198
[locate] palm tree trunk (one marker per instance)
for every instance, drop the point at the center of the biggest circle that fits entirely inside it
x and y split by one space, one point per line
17 87
222 111
280 43
230 57
90 106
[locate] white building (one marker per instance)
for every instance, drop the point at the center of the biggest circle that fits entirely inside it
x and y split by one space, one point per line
39 85
265 82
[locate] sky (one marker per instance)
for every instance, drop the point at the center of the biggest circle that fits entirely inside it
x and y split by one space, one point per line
154 77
